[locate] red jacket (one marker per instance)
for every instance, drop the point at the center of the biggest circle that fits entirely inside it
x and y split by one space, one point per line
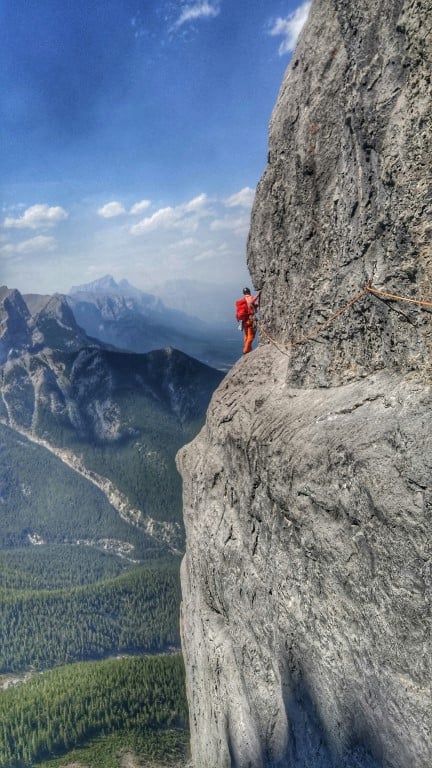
253 303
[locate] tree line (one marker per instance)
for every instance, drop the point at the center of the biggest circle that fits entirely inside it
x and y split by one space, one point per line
55 566
59 710
136 612
40 495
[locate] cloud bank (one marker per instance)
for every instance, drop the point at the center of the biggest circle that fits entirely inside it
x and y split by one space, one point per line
204 236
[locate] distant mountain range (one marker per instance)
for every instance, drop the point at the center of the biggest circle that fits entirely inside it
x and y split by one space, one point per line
91 528
212 303
193 299
113 419
121 315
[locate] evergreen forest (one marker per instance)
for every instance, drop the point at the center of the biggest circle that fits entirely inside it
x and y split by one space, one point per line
132 613
141 700
91 535
61 606
41 496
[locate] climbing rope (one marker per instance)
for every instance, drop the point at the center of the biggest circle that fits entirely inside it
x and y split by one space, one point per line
420 302
368 289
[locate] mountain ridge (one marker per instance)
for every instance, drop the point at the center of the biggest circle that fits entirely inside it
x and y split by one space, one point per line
28 323
100 410
122 315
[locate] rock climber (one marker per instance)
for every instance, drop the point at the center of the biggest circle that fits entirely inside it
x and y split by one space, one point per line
249 323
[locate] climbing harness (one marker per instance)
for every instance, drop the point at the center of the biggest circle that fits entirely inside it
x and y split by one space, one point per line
368 289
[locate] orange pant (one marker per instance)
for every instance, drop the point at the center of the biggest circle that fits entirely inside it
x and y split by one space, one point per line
249 335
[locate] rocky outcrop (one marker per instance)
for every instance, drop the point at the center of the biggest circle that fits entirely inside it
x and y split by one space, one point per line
306 584
14 322
29 324
307 496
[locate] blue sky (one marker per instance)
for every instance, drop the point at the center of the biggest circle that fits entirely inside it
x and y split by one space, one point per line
133 134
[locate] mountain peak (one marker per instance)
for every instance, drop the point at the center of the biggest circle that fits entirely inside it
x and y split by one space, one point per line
15 319
32 322
105 284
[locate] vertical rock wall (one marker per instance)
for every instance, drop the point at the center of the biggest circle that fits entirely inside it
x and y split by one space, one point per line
347 193
307 496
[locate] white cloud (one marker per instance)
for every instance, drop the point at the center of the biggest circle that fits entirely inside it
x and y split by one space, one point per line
203 236
164 217
290 28
187 243
115 208
37 217
140 207
244 198
185 217
196 204
34 245
238 225
205 9
112 209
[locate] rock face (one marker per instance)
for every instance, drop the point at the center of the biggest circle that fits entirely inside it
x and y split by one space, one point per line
347 194
307 496
30 323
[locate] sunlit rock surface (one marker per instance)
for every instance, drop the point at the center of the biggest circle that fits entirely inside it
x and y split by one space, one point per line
307 497
347 193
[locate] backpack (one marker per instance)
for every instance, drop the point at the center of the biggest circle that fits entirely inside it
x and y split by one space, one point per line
242 309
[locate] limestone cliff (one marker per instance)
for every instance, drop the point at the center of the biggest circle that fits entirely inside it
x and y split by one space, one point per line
307 496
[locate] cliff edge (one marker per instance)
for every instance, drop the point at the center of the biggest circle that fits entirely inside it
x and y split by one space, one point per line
307 496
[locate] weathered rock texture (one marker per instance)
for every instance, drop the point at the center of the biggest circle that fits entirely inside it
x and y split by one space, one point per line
347 194
307 497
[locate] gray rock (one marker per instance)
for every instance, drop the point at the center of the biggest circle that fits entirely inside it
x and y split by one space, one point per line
307 497
347 194
306 584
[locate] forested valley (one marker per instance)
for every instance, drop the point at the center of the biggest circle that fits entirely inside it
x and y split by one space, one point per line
141 700
135 612
82 587
91 536
63 608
